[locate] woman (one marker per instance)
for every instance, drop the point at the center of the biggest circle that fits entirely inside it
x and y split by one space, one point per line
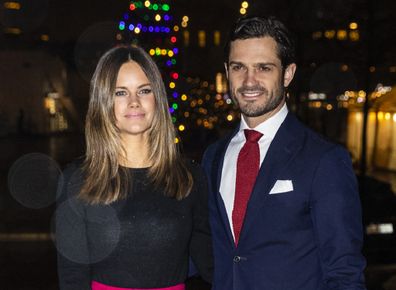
133 212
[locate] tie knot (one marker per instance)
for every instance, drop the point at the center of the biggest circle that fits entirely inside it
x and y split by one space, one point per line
252 135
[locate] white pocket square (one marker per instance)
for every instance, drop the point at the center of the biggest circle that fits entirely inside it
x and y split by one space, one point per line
281 186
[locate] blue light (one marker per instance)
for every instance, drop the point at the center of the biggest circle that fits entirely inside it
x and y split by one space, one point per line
139 26
175 50
167 30
157 29
126 16
163 29
175 95
144 28
131 27
168 63
151 29
166 17
171 110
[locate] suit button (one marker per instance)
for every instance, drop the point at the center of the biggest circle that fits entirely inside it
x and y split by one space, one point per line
237 259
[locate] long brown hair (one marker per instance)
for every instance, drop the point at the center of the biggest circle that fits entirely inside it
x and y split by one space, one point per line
105 180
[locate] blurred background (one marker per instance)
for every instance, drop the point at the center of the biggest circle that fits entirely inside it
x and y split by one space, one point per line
345 89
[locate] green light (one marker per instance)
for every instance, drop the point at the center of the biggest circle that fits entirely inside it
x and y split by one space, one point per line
155 7
175 106
146 17
173 61
139 4
150 6
165 7
174 119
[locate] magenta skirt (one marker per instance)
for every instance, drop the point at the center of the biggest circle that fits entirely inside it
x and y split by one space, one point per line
99 286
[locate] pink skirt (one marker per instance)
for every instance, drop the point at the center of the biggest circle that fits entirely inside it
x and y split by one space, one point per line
99 286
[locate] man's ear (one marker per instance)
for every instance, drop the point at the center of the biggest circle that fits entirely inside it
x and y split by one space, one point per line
226 69
289 74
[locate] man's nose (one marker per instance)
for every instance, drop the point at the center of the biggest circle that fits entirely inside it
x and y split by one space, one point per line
250 77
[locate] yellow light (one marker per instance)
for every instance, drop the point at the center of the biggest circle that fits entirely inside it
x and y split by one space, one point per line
172 85
354 35
330 34
185 18
177 140
201 38
119 36
317 35
170 53
372 69
147 3
152 51
216 37
12 5
137 30
362 94
230 117
387 116
181 128
184 24
200 102
353 25
176 28
184 97
341 34
242 11
394 117
344 67
186 114
44 37
329 107
163 51
157 17
245 4
12 30
380 116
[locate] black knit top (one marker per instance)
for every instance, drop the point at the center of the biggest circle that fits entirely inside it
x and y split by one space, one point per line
144 241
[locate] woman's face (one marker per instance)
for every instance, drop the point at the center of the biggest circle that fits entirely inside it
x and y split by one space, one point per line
134 101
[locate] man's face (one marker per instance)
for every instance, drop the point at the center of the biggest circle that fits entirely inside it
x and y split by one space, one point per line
257 79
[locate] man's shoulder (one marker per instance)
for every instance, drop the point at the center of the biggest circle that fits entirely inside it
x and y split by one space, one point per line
312 140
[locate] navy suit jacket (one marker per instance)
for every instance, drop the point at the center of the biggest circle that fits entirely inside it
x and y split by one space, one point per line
309 238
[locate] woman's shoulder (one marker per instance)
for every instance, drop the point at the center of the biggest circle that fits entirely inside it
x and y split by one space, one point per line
71 179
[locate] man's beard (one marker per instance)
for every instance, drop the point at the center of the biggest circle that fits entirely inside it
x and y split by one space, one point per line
252 109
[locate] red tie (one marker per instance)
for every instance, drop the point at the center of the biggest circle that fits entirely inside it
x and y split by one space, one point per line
248 165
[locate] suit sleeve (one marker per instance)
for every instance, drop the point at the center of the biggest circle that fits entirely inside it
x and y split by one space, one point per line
71 239
336 215
201 242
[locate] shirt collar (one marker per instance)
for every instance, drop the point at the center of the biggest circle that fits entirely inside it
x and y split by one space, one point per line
270 126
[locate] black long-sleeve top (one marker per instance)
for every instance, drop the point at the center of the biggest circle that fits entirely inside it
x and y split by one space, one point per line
144 241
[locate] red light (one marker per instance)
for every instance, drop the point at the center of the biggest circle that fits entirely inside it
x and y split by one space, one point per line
173 39
175 76
132 7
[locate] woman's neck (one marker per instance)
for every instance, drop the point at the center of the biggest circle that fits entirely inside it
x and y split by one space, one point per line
136 152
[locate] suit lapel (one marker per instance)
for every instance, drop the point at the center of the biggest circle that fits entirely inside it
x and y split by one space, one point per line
281 152
218 167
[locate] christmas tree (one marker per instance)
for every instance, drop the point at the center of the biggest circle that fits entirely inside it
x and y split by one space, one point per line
153 27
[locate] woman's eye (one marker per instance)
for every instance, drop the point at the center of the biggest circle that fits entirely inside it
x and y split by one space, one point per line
145 91
120 93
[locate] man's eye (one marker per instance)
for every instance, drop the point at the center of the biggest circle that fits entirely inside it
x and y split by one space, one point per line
120 93
265 68
236 67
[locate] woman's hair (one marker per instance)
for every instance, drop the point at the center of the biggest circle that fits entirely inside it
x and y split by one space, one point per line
105 180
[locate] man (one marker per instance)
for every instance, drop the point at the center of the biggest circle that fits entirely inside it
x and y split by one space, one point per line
285 211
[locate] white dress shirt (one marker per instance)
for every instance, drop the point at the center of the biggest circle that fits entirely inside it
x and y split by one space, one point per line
228 174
